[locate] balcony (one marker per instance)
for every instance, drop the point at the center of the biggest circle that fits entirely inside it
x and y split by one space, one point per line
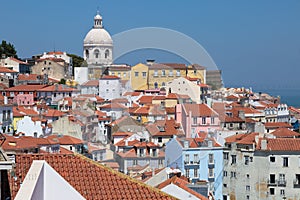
191 162
211 165
296 183
281 183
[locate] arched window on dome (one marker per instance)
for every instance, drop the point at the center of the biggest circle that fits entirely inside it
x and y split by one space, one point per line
87 53
96 52
106 53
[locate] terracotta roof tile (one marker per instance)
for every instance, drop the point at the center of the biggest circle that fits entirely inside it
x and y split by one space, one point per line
278 125
199 110
285 132
85 175
280 144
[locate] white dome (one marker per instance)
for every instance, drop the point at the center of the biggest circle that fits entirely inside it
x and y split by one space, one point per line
97 17
98 36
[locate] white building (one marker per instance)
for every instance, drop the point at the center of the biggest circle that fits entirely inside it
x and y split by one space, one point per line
110 87
30 127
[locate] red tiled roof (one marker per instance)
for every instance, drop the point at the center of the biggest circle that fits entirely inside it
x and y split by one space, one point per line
18 61
52 59
21 111
109 77
285 132
55 53
91 83
29 88
132 94
66 139
199 110
53 113
242 138
280 144
6 70
92 180
277 125
183 185
57 88
145 99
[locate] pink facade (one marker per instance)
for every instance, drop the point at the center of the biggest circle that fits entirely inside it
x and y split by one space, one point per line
23 99
196 118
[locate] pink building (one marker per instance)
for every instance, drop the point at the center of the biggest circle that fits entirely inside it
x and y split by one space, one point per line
196 117
23 99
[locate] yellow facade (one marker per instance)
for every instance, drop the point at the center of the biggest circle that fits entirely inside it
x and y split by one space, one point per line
159 77
139 77
197 72
15 121
123 72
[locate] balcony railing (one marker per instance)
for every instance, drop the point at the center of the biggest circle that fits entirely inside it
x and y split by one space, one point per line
191 162
296 183
282 183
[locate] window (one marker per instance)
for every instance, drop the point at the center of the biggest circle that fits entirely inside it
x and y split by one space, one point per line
211 172
170 72
178 72
107 90
211 158
272 178
282 192
136 74
155 73
187 158
194 120
233 159
247 175
272 158
247 197
106 55
154 152
159 139
272 191
4 115
281 179
144 74
203 120
187 172
248 187
233 174
196 172
196 159
246 160
285 161
141 151
225 173
155 85
119 74
212 119
134 162
163 72
107 82
163 84
225 185
226 155
160 162
96 52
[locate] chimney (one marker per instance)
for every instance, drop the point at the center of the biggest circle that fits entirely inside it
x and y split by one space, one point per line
126 142
150 62
209 143
242 114
186 144
5 100
264 144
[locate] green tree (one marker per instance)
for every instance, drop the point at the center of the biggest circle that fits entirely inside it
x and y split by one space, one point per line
77 60
8 49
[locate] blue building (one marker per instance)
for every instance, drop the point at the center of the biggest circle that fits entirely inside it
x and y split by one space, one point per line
200 159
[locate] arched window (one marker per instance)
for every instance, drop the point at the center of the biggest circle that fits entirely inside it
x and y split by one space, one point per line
87 53
163 84
106 53
155 85
96 52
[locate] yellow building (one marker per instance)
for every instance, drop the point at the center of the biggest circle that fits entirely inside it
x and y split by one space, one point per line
157 75
197 71
139 77
161 73
122 71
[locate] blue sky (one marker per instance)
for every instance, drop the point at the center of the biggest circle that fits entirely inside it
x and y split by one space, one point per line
255 43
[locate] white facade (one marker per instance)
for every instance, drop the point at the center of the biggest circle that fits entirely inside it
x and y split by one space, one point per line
29 127
110 87
80 74
183 86
98 45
